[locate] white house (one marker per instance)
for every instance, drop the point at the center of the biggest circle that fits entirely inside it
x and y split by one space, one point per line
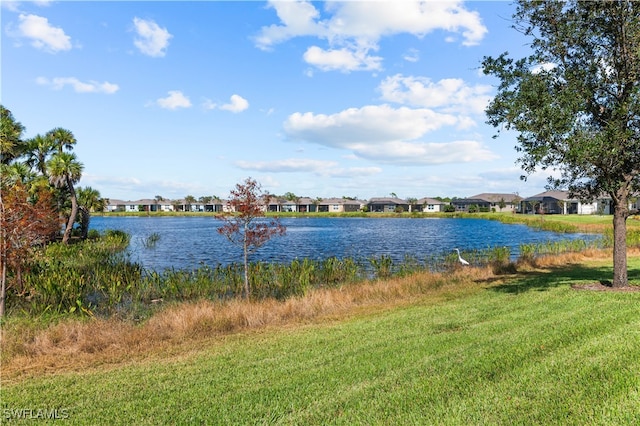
429 205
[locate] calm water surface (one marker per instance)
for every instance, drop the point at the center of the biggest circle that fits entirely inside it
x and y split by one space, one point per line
188 242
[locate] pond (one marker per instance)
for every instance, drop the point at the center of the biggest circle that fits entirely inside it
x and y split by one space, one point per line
189 242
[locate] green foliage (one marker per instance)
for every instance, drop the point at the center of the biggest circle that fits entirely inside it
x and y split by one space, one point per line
633 238
151 240
575 100
382 266
499 258
79 277
529 252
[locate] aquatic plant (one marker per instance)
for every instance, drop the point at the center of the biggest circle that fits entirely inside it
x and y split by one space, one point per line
151 240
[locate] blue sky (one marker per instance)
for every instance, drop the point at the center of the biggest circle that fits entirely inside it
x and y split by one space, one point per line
322 99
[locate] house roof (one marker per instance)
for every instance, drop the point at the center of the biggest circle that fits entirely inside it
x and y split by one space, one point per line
432 201
340 201
556 195
387 200
496 197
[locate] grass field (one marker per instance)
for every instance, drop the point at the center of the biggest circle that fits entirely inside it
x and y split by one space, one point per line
468 349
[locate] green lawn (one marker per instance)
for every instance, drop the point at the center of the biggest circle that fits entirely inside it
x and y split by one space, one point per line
531 351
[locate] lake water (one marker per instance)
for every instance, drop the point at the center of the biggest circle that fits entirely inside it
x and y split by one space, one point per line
189 242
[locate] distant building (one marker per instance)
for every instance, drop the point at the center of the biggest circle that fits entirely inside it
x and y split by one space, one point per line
387 205
559 202
429 205
490 202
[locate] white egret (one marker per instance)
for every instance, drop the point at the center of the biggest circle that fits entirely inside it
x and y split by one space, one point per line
460 259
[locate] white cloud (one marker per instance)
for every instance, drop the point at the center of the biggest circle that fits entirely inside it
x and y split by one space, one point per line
449 95
302 165
175 100
387 135
152 40
288 165
209 104
14 5
237 104
371 124
357 27
298 19
424 153
350 172
547 66
42 34
341 59
412 55
11 5
78 86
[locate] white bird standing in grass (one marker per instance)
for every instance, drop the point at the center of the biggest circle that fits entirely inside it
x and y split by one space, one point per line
460 259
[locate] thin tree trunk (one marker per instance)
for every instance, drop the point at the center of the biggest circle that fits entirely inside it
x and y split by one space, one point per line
246 270
620 213
74 213
85 218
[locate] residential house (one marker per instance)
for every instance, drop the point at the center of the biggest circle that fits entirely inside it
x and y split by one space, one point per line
129 206
115 205
309 205
489 202
340 205
149 205
471 204
428 205
559 202
387 205
277 204
500 202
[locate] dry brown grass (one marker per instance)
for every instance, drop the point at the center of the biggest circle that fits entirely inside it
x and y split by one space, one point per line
76 344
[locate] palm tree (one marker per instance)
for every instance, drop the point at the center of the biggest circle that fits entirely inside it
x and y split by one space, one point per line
158 199
188 200
65 171
11 144
89 200
62 138
15 172
39 149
